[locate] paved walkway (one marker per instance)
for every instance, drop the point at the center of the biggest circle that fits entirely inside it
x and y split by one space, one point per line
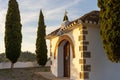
49 75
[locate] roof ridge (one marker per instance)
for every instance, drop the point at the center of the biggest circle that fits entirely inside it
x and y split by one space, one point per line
91 17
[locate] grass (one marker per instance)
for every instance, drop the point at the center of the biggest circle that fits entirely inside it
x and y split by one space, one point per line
23 73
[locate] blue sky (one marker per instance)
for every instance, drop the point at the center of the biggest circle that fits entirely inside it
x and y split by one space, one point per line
53 11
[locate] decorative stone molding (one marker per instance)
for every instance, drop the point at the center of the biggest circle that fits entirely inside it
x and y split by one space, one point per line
79 21
85 54
94 23
62 38
74 23
90 22
86 21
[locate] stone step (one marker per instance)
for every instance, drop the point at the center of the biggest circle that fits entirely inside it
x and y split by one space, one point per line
61 79
49 75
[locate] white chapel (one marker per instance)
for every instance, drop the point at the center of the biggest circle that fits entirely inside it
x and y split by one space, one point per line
76 50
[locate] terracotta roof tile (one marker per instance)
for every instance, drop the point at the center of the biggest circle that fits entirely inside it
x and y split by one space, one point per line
92 16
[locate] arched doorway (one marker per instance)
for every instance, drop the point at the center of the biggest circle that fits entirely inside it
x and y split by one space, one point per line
61 39
64 59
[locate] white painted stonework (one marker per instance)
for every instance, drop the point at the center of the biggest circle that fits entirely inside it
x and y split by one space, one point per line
100 67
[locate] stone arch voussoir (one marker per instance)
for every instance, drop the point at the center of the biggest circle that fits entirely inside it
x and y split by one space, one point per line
61 39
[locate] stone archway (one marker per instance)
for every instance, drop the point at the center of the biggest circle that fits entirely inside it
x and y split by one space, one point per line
62 38
64 53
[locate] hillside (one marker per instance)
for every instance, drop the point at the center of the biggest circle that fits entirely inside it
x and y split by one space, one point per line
24 57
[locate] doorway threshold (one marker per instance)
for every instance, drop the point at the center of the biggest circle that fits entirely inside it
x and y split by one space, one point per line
62 78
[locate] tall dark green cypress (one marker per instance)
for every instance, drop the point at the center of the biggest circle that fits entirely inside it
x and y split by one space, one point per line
110 27
13 35
41 48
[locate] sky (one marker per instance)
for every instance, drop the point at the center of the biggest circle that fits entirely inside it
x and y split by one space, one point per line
53 11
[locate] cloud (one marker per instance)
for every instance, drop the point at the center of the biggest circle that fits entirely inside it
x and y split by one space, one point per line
52 10
2 24
29 10
57 11
2 20
2 29
62 7
51 28
27 17
27 46
32 5
29 37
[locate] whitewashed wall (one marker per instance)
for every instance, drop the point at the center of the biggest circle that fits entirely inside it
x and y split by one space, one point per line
101 67
4 65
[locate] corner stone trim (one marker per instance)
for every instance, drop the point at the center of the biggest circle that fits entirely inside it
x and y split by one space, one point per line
84 43
84 32
85 54
84 75
84 48
82 61
86 67
81 28
82 37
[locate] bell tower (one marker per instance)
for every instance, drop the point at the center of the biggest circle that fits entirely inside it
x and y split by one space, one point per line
65 20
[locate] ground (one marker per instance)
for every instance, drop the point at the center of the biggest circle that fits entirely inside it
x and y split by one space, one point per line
23 73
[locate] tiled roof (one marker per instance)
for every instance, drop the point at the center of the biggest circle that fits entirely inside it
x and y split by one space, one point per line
91 17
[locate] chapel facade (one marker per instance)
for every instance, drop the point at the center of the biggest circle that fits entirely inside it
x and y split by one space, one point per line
76 50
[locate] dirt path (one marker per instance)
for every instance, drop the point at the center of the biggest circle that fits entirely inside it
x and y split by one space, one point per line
23 74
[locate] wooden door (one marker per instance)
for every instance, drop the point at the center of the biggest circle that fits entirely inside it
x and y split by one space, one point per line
67 60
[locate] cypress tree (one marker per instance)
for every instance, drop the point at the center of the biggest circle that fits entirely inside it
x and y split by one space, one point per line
41 48
13 35
110 28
